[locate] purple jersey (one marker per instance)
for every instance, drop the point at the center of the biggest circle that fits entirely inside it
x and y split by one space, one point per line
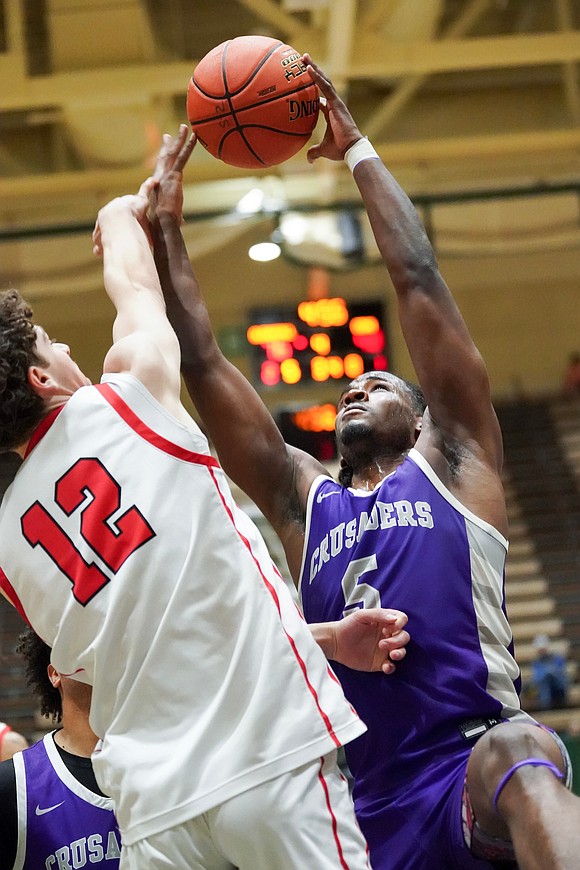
61 823
411 545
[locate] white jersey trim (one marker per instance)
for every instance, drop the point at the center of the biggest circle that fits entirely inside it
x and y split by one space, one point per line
428 471
70 781
21 801
311 493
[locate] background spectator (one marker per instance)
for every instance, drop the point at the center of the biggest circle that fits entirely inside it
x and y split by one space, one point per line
10 741
549 677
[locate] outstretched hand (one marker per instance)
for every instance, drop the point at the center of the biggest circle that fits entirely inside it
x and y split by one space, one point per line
341 131
371 639
137 203
163 190
168 173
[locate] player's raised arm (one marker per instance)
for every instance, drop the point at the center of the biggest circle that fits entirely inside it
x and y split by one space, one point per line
448 365
249 444
144 343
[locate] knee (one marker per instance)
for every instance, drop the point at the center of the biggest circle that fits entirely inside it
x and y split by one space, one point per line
494 755
506 744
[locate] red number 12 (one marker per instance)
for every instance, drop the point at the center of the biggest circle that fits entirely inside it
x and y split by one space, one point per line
112 542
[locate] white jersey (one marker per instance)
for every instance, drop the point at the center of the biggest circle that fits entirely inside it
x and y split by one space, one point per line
122 546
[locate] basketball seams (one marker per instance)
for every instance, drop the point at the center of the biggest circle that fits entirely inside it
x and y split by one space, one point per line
241 130
224 71
206 93
235 111
254 72
273 108
227 93
238 129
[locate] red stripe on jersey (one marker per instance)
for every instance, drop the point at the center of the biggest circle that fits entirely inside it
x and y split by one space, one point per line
42 429
322 781
10 593
141 428
274 595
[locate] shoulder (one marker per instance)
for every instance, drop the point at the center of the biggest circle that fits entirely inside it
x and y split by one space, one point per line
135 353
151 364
307 471
466 470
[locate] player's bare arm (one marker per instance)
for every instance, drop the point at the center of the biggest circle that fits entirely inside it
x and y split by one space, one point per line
248 442
372 639
143 342
448 365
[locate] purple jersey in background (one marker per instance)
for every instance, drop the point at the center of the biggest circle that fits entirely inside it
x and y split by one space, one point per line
61 823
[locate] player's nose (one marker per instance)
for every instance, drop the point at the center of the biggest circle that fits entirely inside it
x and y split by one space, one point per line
355 394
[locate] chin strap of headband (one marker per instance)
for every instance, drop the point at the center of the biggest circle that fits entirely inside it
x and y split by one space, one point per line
536 762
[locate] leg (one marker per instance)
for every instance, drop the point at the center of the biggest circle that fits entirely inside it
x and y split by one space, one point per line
302 819
534 809
184 847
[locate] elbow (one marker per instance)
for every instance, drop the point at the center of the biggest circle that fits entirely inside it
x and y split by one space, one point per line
417 274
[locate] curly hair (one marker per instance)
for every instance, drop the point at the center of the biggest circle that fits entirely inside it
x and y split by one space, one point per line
36 653
418 405
21 409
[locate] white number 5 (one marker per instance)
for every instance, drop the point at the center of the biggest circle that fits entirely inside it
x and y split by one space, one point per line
358 595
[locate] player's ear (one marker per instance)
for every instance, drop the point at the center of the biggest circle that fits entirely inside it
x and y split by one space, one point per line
418 426
53 676
41 381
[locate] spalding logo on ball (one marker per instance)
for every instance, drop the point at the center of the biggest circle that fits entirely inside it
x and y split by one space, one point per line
252 103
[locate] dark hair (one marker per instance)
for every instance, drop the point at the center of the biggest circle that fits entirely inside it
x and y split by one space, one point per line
21 409
417 397
417 403
37 656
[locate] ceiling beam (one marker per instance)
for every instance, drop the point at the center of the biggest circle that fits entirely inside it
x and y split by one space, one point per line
274 15
136 84
569 70
406 89
102 184
377 14
387 59
520 144
339 43
15 35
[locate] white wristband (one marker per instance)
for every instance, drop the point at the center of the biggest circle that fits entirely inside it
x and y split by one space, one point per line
361 150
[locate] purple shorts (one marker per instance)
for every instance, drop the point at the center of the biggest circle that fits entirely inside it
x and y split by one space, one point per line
421 829
429 825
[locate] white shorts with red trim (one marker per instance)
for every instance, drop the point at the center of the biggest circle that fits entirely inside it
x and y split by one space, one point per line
302 819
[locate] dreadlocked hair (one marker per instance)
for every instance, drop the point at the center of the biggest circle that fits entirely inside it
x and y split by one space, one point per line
21 409
36 654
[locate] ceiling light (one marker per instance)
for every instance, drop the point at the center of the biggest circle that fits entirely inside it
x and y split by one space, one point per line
264 251
252 202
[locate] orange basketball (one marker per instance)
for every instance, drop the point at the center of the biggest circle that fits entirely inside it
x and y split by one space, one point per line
251 102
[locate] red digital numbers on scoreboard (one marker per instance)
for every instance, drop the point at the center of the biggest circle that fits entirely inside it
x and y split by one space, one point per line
320 340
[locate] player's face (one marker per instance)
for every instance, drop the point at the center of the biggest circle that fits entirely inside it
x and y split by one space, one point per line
59 364
376 409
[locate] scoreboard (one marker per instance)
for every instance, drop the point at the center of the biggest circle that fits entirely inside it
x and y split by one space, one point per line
317 341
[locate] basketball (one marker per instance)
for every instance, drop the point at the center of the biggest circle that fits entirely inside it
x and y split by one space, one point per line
251 102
